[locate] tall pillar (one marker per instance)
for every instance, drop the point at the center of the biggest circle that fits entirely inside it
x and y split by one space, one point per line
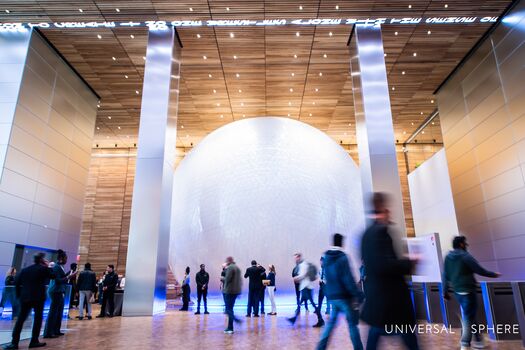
375 132
149 233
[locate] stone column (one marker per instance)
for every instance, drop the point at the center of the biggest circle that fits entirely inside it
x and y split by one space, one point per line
375 132
148 247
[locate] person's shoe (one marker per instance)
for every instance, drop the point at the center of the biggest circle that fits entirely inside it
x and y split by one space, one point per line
198 313
61 334
478 345
463 347
36 345
228 331
80 318
111 316
319 324
237 320
248 315
256 315
50 336
101 316
89 317
11 346
292 320
206 313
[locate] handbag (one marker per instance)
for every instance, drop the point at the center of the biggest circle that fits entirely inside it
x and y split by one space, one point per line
266 282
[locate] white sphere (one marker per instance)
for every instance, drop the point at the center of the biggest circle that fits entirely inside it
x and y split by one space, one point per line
263 189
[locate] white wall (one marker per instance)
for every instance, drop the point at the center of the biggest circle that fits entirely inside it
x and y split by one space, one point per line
432 201
47 159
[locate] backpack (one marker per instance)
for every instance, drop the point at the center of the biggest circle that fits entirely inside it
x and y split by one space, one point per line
311 272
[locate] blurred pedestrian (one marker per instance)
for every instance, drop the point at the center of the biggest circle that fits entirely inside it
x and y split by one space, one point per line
232 289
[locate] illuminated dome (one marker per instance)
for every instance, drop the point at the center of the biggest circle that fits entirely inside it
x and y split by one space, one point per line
263 189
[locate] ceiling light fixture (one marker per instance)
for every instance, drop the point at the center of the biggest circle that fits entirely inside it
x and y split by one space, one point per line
227 9
144 58
294 56
429 32
384 55
337 7
242 104
109 117
191 9
446 6
244 115
395 33
330 34
98 106
118 10
126 77
237 75
214 91
118 127
414 54
325 55
99 36
310 114
289 103
301 7
137 92
98 127
403 72
320 74
222 115
218 104
313 103
132 36
7 11
232 35
291 90
198 36
209 75
80 10
114 58
288 114
240 90
431 101
409 6
393 88
316 89
234 57
204 57
297 34
293 74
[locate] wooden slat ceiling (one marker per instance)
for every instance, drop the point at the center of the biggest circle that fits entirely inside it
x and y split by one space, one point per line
258 71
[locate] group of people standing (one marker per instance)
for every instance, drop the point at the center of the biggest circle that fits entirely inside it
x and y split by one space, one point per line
41 279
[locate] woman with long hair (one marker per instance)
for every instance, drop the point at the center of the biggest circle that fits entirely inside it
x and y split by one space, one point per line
270 281
186 290
9 294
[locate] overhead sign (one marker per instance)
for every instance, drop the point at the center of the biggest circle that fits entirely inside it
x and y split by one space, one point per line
160 25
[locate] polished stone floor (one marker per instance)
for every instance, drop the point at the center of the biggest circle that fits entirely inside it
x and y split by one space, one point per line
184 330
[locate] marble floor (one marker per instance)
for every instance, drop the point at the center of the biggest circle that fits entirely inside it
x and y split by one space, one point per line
184 330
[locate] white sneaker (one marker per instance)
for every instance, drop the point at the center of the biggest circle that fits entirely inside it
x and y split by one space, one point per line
463 347
478 345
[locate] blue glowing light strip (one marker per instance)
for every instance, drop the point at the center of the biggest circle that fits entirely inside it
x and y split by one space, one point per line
159 25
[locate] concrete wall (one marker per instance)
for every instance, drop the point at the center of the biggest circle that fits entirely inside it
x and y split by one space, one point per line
482 110
47 157
432 202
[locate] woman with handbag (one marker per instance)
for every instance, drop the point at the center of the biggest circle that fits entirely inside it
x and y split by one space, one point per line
270 283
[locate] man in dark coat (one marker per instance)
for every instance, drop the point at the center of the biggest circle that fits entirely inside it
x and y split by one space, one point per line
30 285
57 290
202 278
255 275
388 303
108 292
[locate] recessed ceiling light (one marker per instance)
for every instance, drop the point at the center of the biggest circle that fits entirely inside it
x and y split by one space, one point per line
98 127
132 36
204 57
423 131
98 106
198 36
313 102
330 34
412 123
218 104
310 114
232 35
393 88
320 74
209 75
291 90
234 57
409 6
244 115
99 36
288 114
187 135
237 75
395 33
118 127
384 55
214 91
431 101
126 77
404 132
337 7
293 74
7 11
289 103
109 117
137 92
429 32
191 9
144 58
446 5
227 9
349 124
240 90
316 89
114 58
325 56
297 34
421 113
433 123
80 10
242 104
403 72
118 10
414 54
301 7
294 56
222 115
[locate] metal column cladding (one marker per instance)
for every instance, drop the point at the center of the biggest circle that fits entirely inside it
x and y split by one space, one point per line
149 233
375 132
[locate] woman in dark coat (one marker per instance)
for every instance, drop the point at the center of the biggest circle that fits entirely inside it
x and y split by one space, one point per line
388 303
186 290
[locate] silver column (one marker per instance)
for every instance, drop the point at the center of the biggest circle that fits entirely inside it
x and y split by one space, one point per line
375 132
149 233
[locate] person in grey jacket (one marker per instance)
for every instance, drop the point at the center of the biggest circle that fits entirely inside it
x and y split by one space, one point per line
459 270
232 288
87 285
57 290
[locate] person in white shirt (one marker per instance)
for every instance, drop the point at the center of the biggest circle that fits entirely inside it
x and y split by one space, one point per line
306 279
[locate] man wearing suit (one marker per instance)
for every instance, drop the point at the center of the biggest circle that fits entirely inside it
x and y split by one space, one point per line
57 290
108 291
255 275
30 285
